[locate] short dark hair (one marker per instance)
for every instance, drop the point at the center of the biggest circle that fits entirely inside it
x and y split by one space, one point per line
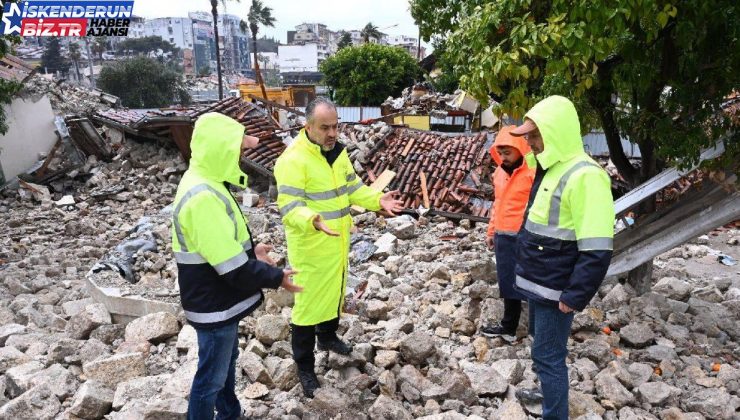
320 100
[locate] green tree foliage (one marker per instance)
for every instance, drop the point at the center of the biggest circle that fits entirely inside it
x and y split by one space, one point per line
447 81
52 60
8 88
344 41
143 83
366 75
653 71
370 31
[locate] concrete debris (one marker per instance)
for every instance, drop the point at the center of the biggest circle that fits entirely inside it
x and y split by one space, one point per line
66 352
67 98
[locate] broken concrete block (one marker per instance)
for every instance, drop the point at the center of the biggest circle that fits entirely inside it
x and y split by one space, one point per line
83 323
37 403
116 369
153 327
92 401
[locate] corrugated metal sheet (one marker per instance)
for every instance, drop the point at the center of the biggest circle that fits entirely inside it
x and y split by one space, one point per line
353 113
595 144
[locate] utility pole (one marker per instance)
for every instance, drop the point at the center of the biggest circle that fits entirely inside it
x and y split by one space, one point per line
90 63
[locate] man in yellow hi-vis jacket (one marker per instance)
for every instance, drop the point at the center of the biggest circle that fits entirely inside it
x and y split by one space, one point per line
316 186
220 272
565 246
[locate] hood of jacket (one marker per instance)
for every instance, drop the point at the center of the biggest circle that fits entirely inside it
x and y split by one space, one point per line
557 120
215 149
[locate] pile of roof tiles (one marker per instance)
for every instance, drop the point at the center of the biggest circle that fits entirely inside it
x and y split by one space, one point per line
456 169
176 124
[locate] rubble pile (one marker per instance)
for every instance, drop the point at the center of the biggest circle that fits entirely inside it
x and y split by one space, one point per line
420 99
419 290
70 99
456 167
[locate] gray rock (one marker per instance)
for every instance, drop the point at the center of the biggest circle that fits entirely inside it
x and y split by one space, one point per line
145 388
673 288
609 388
637 334
402 227
329 401
168 409
339 361
616 298
385 359
284 372
463 326
187 338
10 357
60 381
657 393
712 403
83 323
387 383
8 330
18 378
154 327
386 245
73 307
271 328
387 408
596 349
116 369
255 370
580 404
180 382
108 333
510 410
92 401
417 347
38 402
377 309
486 380
510 369
659 353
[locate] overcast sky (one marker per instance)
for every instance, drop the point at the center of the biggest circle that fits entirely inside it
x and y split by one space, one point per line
336 14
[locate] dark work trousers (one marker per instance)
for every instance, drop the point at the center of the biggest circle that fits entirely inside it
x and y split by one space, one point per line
303 341
505 266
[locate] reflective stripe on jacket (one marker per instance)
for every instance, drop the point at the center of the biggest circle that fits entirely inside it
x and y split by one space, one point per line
565 246
309 186
219 277
511 192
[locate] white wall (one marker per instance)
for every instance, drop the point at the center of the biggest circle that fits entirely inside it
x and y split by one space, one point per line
298 58
30 132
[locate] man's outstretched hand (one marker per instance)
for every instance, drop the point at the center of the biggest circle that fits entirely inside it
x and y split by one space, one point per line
262 251
319 224
390 203
288 284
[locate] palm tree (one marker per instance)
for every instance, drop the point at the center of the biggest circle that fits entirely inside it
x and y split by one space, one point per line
75 55
370 31
214 13
99 46
259 14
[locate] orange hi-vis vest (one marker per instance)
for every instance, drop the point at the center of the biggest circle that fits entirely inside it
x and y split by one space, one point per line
511 192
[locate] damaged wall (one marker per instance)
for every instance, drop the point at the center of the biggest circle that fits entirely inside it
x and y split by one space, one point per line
30 132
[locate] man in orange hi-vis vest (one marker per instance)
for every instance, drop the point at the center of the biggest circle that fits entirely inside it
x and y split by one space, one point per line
512 182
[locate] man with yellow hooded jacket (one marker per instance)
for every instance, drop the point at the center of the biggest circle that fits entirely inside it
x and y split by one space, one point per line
565 246
316 186
221 273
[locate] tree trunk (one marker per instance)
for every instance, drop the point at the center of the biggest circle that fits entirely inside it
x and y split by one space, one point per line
214 12
257 73
77 72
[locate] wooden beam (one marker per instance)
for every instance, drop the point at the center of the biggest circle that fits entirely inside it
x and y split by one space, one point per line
277 105
379 185
424 191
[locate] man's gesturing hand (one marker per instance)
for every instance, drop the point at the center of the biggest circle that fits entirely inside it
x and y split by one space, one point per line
319 224
390 204
261 251
288 284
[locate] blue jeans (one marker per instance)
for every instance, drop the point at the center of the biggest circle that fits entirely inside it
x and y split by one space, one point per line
213 384
551 329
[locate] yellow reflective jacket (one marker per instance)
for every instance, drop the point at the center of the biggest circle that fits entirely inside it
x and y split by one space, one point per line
565 247
219 276
309 186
